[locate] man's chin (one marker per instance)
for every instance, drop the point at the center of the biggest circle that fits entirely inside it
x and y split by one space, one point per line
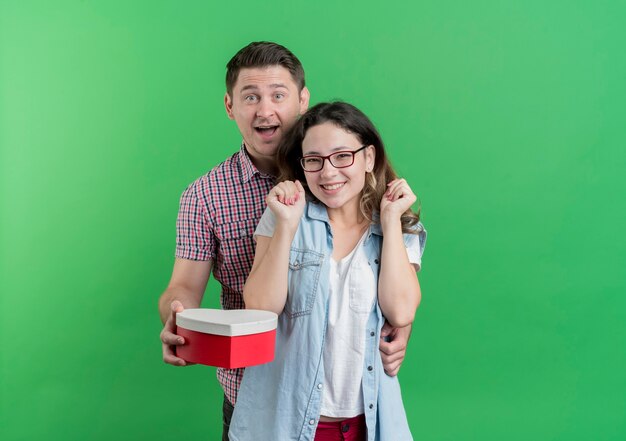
266 150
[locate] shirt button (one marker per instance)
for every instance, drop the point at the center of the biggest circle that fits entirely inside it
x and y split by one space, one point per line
319 386
372 334
371 406
370 368
311 422
376 261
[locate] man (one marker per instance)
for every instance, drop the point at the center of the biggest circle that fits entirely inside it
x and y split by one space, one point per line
265 94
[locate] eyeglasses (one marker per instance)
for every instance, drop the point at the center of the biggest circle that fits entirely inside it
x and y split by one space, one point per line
341 159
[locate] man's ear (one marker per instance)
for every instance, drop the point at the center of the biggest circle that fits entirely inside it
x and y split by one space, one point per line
228 104
304 100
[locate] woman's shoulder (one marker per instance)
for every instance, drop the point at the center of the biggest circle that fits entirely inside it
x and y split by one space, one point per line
416 228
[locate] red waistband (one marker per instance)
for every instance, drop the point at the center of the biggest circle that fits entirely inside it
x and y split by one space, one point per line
358 420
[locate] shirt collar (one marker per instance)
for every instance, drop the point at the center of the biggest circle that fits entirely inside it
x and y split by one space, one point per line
248 169
376 229
317 211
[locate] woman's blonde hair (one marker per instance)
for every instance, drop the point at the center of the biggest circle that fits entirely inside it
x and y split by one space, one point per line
352 120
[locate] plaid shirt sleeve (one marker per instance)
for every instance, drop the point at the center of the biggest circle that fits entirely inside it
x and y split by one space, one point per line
194 233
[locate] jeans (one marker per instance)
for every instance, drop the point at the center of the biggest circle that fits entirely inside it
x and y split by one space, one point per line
227 414
351 429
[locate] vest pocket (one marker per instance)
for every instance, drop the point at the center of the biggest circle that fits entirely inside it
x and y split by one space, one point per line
304 272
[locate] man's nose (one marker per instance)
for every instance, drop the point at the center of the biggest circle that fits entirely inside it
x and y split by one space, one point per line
265 108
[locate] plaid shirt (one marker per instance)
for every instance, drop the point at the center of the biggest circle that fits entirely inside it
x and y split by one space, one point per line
217 218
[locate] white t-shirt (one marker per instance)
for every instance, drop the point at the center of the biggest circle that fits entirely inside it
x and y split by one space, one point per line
351 298
352 293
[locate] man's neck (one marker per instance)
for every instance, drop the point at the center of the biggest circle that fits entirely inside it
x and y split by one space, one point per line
265 166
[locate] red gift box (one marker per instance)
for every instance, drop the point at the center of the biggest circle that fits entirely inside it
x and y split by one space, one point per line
226 338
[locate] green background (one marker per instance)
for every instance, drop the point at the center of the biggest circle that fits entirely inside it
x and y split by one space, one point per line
507 118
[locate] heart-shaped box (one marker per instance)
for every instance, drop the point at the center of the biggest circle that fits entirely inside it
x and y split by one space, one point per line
227 338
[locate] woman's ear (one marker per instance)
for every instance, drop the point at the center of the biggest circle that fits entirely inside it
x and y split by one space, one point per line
370 158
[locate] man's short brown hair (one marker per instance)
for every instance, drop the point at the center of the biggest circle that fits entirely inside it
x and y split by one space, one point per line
263 54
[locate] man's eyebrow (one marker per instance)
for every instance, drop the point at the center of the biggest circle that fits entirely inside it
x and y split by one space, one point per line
255 87
249 87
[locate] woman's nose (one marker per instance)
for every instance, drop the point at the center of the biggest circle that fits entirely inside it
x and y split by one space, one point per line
327 168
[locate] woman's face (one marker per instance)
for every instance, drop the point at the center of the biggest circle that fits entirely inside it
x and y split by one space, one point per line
336 187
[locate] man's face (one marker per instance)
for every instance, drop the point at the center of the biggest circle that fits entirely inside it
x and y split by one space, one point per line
265 103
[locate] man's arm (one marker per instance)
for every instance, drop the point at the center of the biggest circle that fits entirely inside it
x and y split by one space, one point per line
185 290
393 344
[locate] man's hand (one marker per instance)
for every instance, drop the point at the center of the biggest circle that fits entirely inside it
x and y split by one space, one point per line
169 338
186 288
393 343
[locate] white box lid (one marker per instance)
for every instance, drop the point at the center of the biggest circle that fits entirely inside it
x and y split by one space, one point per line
232 322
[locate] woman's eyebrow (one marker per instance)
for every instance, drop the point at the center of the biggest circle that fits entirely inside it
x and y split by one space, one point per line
334 149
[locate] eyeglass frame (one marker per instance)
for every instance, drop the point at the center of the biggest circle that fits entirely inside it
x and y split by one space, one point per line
327 157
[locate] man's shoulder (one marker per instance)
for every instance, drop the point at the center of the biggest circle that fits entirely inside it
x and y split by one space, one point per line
229 168
226 172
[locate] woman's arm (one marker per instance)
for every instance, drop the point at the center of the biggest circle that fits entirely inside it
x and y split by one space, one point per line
399 292
398 288
266 287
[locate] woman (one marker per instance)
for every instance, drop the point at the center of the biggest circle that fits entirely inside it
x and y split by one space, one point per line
321 263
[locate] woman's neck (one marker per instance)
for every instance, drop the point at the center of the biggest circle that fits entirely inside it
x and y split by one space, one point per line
346 217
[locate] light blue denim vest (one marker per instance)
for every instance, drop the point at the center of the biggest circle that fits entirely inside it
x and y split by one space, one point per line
281 400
